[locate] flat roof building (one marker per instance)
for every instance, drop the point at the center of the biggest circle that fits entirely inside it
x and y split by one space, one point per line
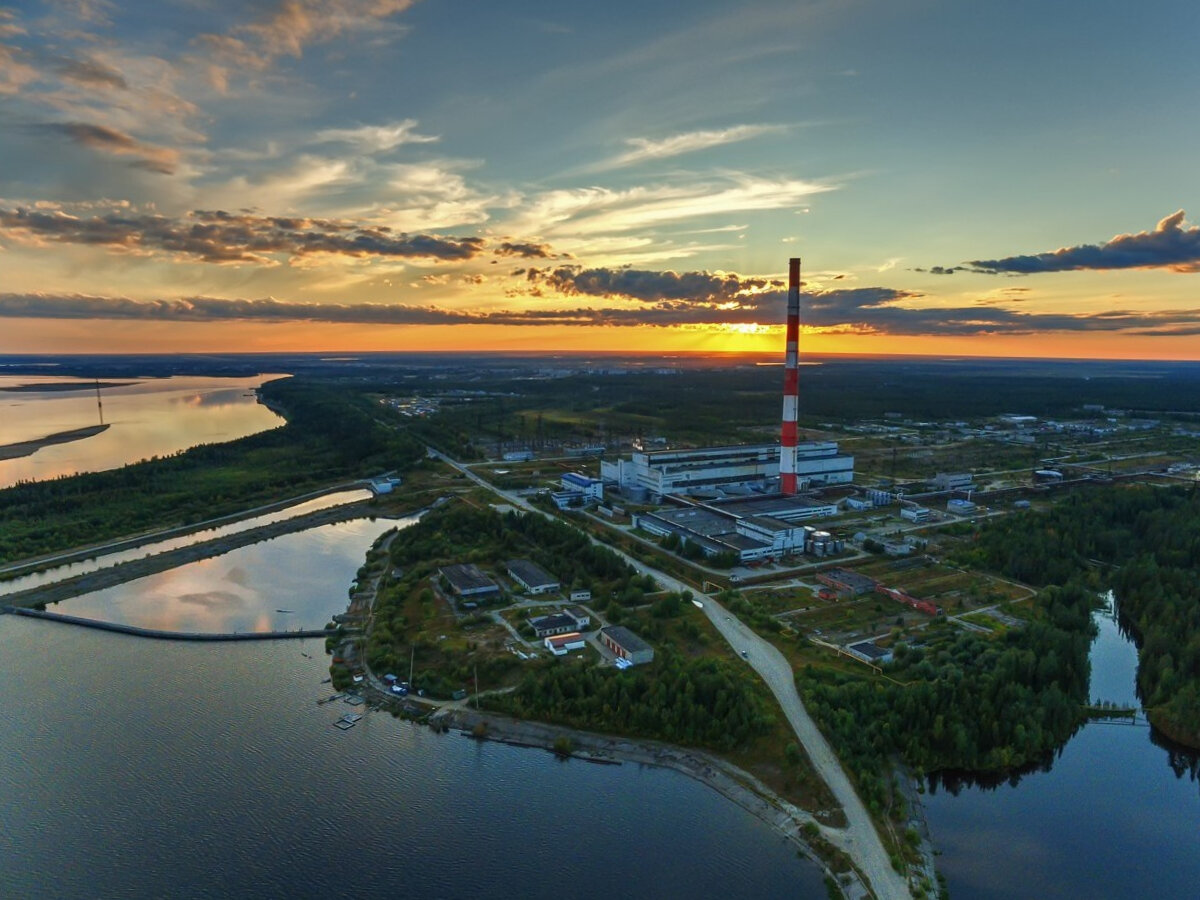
531 576
626 645
468 580
847 583
561 644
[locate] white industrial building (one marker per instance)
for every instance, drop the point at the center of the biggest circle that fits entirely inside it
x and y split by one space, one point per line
752 529
663 472
578 490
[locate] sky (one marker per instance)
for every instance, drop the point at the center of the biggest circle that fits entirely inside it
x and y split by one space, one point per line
988 178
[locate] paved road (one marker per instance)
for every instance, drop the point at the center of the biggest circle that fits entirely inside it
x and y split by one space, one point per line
859 840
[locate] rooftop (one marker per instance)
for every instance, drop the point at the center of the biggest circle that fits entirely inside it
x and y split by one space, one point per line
530 573
467 577
621 635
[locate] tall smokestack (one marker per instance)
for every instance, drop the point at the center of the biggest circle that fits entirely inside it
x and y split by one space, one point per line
791 384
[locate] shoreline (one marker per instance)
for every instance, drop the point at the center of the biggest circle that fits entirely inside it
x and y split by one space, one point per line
728 780
23 449
121 572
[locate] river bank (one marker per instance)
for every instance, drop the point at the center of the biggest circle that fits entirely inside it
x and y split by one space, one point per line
123 572
28 448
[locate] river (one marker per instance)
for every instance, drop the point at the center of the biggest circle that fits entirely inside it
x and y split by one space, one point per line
147 417
140 768
1116 815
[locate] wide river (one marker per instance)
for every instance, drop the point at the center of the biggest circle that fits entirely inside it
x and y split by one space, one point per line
140 768
148 417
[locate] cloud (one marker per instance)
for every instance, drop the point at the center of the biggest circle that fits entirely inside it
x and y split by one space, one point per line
649 286
524 249
647 149
596 210
1169 246
92 72
944 270
162 160
377 138
288 29
222 237
862 310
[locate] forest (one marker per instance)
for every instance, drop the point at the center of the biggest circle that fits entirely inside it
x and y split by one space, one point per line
962 700
707 702
330 435
1143 543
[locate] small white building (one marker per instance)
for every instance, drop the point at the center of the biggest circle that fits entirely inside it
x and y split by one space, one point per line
915 513
562 644
590 488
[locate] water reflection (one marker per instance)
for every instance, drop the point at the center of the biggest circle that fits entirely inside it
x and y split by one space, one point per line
70 570
296 581
1115 813
150 417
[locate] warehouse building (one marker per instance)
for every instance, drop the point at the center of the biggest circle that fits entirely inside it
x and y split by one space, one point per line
468 580
531 576
626 645
847 583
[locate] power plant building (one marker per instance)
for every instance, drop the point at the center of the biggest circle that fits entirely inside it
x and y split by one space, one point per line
664 472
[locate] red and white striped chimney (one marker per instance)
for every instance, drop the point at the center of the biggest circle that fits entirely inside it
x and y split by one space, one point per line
791 384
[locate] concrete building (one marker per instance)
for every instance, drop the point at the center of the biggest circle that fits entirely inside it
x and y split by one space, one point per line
961 507
574 619
954 481
561 644
531 576
847 583
626 645
578 490
752 529
663 472
591 488
468 580
915 513
581 596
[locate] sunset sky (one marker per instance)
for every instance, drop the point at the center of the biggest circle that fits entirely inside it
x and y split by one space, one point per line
999 178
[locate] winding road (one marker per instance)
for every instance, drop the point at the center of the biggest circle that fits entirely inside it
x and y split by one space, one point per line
859 840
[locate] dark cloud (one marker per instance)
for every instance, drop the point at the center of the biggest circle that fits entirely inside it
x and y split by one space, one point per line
162 160
649 286
526 250
90 72
862 311
223 237
944 270
1169 246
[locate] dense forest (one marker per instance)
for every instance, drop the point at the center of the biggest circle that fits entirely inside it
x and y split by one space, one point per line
330 435
704 702
963 700
1152 537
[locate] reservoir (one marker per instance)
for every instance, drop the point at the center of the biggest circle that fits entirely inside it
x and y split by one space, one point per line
147 417
69 570
1116 815
140 768
292 582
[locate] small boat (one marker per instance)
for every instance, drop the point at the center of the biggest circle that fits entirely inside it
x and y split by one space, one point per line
283 610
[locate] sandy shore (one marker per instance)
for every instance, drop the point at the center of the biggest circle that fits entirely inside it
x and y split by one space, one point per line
28 448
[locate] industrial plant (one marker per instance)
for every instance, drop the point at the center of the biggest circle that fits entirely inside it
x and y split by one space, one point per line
744 501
